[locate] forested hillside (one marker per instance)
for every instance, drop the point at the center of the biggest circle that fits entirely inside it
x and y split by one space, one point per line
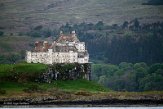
22 15
129 42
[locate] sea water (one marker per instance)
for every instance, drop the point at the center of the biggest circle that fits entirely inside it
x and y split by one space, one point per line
91 108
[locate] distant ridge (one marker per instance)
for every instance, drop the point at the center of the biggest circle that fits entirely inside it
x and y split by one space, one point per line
21 15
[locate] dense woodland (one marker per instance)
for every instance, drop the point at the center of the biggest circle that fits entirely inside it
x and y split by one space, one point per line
129 77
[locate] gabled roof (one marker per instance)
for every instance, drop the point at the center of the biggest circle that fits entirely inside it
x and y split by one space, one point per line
59 45
41 46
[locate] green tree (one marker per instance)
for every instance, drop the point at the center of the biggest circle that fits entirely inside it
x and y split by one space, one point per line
125 25
152 82
155 67
99 25
103 80
125 65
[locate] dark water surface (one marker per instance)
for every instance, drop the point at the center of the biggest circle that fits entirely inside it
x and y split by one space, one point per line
55 107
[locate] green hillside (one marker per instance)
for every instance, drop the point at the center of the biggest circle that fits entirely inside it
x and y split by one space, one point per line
21 15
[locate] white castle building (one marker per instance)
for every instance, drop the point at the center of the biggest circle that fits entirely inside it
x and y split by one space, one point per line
66 49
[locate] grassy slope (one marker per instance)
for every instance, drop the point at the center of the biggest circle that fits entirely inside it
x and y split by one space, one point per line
7 69
80 85
70 86
18 15
74 90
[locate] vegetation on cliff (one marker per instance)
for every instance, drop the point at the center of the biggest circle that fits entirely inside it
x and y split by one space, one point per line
27 78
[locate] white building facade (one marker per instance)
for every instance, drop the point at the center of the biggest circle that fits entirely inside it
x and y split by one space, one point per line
66 49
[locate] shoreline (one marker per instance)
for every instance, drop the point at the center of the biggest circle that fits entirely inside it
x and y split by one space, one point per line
85 103
82 98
